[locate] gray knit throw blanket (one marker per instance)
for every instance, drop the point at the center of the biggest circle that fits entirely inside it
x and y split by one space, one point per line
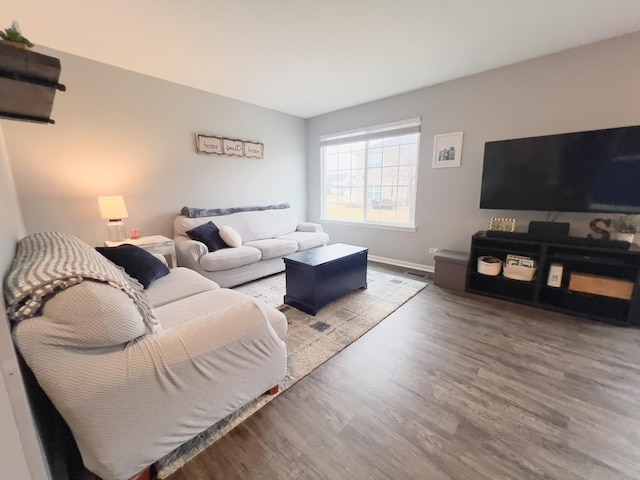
48 262
216 212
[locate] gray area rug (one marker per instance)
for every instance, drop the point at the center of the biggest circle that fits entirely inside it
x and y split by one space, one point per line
311 341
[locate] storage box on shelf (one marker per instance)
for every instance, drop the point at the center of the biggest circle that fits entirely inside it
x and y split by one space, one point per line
488 265
519 267
595 282
598 285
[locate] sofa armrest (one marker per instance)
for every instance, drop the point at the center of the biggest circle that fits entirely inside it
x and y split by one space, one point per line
189 251
161 258
308 227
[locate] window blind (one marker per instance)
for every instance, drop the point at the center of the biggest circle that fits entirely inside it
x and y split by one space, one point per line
404 127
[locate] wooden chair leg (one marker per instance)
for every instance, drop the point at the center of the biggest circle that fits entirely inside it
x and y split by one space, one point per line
273 390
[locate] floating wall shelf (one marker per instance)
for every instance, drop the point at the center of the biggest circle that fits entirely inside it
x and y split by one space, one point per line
28 84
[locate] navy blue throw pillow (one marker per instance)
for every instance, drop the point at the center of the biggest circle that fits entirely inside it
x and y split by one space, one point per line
209 234
138 263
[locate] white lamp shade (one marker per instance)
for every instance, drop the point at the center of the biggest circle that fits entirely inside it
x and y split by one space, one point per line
113 207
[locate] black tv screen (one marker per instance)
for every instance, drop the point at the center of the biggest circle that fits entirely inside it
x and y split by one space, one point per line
594 171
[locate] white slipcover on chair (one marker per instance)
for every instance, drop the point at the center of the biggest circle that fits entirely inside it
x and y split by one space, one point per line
130 397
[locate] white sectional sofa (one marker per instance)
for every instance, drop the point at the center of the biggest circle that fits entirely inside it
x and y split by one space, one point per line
130 393
267 234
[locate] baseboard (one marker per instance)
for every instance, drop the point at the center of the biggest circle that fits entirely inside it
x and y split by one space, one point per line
401 263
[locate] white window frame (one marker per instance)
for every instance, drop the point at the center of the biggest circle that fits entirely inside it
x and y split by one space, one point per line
387 130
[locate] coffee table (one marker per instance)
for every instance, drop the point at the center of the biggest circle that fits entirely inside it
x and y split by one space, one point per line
321 275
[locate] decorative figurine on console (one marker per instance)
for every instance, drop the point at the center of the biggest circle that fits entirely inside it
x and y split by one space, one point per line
593 225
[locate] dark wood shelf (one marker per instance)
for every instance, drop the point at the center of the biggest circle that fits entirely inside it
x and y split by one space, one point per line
609 263
28 84
597 307
501 287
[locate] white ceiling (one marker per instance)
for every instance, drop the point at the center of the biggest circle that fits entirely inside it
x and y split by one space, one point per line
308 57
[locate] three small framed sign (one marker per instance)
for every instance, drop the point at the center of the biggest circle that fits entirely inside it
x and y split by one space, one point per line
230 147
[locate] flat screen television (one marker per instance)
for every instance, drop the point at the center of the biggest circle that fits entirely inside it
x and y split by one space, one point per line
593 171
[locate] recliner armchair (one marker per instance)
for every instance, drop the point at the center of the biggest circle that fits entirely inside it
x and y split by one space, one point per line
131 397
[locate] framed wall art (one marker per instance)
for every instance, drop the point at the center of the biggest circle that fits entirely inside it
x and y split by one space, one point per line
447 150
233 148
228 147
253 150
209 145
502 224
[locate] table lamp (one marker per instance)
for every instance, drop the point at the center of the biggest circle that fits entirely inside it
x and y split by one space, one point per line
113 209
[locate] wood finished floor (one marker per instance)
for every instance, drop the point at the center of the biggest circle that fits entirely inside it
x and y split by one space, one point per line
452 386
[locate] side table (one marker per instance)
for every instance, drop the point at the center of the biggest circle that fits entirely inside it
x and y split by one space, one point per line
158 244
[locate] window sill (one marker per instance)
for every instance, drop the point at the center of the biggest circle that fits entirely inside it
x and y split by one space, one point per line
379 226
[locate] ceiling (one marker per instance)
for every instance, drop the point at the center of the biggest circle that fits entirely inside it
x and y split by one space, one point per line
308 57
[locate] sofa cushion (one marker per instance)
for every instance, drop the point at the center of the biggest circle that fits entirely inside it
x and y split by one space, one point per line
309 227
307 240
209 234
138 263
273 247
182 311
229 258
230 236
92 314
180 283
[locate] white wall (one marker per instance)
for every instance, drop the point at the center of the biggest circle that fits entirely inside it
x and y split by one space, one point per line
586 88
119 132
20 455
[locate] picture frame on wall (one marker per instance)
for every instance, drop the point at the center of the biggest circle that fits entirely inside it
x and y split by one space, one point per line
208 144
228 147
447 150
233 148
254 150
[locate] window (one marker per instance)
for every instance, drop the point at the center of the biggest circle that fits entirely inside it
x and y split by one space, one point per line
369 175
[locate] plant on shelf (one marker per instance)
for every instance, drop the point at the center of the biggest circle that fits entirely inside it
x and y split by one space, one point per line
14 36
626 224
625 227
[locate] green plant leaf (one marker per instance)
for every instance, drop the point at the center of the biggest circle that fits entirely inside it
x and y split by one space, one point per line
13 35
625 224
